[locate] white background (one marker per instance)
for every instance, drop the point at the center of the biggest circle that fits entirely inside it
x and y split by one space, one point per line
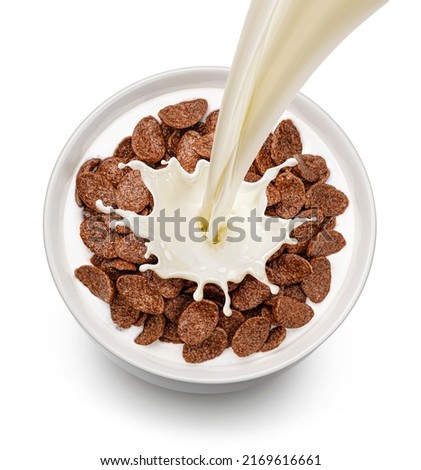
355 401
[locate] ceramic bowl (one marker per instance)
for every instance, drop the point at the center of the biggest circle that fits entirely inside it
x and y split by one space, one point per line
161 363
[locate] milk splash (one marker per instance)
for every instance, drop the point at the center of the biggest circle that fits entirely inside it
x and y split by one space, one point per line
282 43
180 195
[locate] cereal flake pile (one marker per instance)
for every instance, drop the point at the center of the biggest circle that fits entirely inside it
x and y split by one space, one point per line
164 309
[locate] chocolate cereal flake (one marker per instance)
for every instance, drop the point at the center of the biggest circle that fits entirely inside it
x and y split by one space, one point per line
153 328
124 150
311 168
170 334
148 141
271 212
329 223
286 142
203 146
249 294
291 313
186 154
173 141
176 306
212 347
266 311
275 338
213 292
132 194
303 234
113 267
273 195
123 230
141 320
313 213
231 324
250 336
140 294
263 160
97 236
92 187
131 249
122 314
317 285
295 291
326 243
184 114
200 127
110 170
122 265
211 121
96 281
251 177
198 321
292 195
166 131
168 288
289 269
89 166
328 199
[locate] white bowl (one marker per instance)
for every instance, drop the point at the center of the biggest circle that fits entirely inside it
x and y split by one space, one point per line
161 363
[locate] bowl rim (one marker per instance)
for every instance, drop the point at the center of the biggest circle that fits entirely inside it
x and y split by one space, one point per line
118 355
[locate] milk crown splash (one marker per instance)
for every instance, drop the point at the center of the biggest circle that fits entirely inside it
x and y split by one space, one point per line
184 254
282 43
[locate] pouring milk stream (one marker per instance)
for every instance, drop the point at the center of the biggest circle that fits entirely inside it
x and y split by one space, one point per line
282 43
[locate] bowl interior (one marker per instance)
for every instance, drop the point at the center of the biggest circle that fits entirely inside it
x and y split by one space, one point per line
99 134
